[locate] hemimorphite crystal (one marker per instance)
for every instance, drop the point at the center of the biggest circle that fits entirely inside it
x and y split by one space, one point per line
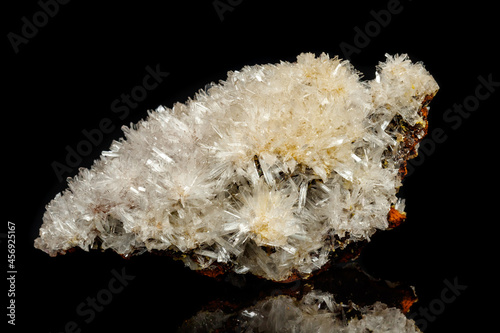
317 311
269 172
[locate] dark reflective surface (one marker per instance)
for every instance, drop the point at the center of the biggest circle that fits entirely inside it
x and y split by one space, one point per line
351 289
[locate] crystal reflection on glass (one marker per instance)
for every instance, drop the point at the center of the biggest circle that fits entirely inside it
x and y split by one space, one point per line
266 173
339 299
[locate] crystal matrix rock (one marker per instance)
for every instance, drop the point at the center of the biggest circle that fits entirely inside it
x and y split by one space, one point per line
269 172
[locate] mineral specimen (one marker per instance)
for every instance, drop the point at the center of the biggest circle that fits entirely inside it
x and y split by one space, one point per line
274 171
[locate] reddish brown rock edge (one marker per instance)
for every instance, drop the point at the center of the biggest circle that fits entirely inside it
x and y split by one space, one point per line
412 137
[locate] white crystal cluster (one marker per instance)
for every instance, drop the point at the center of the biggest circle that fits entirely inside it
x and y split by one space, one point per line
315 312
259 173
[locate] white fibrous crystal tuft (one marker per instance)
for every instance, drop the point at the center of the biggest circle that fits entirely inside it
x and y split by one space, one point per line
317 311
269 172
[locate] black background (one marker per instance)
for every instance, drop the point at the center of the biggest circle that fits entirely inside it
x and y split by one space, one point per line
64 79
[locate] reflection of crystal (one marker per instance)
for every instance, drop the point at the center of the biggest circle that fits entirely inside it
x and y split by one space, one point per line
338 300
269 172
315 312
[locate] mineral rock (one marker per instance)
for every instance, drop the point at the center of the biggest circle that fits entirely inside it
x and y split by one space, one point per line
273 171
